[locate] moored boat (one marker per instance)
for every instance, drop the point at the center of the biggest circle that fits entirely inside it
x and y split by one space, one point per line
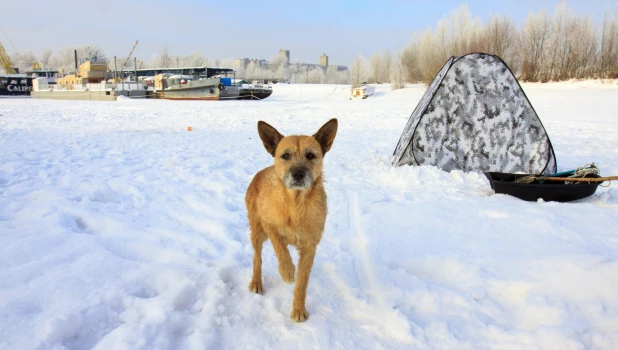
15 85
180 87
50 75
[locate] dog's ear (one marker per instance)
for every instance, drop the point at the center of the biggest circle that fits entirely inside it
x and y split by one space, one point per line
326 135
270 137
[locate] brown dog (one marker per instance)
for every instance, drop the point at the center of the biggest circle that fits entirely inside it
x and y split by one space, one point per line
286 203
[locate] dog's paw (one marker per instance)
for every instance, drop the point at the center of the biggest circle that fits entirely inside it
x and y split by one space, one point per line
287 272
256 287
299 315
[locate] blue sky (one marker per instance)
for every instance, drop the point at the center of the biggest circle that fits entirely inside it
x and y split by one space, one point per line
240 28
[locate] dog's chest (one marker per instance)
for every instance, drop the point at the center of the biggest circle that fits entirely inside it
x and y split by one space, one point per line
301 235
300 225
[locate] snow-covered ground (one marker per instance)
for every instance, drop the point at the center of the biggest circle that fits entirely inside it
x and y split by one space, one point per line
120 229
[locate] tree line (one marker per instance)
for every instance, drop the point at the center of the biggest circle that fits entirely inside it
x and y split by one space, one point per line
548 47
276 69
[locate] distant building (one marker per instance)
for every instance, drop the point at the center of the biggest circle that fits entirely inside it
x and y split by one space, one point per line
285 56
324 60
307 65
243 63
89 72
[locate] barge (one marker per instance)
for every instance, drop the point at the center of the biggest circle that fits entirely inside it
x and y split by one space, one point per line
180 87
21 85
15 85
92 82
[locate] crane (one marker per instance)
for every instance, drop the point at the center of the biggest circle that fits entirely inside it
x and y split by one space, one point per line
129 57
5 61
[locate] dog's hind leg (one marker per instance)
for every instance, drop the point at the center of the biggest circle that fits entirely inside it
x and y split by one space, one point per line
286 266
305 262
257 240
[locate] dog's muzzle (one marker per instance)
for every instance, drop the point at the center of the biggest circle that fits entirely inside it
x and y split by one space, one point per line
298 179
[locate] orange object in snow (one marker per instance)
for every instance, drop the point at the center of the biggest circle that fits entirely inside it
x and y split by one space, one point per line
189 128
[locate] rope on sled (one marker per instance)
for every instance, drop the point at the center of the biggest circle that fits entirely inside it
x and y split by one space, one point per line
588 169
572 176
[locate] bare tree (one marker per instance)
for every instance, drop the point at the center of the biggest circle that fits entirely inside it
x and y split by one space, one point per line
283 72
334 76
432 52
500 36
196 59
397 74
535 33
226 63
330 77
559 47
23 60
64 59
583 52
455 35
409 59
608 60
376 64
46 58
164 59
462 34
563 47
315 76
359 72
555 62
91 52
386 66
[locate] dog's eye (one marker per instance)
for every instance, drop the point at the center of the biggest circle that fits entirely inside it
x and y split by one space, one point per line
310 156
285 156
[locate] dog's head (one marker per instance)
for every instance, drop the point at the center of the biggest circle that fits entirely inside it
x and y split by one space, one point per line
298 159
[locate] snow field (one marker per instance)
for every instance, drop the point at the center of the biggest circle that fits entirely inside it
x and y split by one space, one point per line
120 229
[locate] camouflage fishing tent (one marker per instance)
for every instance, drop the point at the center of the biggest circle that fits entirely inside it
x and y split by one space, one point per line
475 117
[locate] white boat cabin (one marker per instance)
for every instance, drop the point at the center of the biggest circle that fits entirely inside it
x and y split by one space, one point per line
362 92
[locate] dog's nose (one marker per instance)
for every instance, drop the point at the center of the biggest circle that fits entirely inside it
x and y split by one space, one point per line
298 174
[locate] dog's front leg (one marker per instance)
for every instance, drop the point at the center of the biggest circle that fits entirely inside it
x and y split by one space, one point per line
286 266
305 262
257 240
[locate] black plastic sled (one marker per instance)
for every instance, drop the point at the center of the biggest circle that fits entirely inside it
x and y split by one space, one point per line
548 191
